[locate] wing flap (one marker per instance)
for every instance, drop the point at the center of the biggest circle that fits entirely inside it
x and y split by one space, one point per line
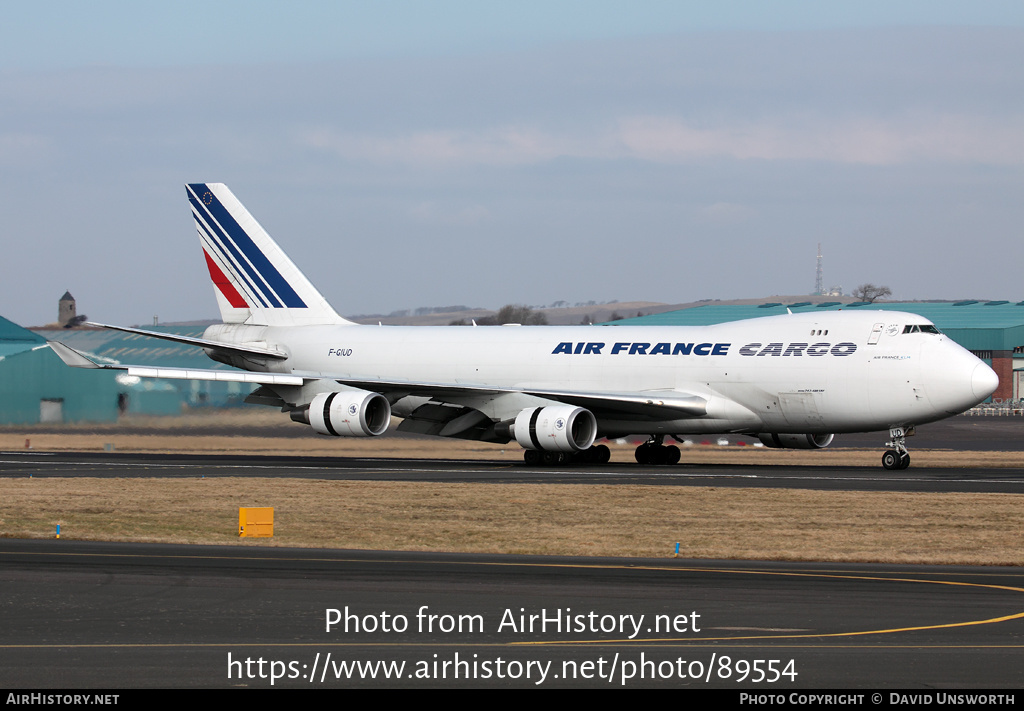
229 376
656 405
659 404
445 421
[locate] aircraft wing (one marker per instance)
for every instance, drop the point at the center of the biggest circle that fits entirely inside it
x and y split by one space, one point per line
659 404
79 360
655 404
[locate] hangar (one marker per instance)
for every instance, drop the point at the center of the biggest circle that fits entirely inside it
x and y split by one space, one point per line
38 387
991 330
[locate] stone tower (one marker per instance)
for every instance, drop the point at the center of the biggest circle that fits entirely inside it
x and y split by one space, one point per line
66 309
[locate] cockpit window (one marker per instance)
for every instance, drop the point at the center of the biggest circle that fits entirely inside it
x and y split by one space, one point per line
920 328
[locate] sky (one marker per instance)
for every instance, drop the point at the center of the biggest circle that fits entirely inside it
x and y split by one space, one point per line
408 153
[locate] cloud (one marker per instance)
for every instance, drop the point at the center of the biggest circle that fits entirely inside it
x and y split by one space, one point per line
494 146
864 140
867 140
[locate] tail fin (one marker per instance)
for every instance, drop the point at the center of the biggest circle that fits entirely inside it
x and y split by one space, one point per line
254 280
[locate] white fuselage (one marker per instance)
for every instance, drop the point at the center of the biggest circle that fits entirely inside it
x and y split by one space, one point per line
835 371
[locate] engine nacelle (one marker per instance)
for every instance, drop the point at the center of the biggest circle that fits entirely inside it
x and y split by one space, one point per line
558 428
350 413
796 441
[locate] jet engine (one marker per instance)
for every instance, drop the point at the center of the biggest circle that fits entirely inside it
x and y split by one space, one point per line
557 428
796 441
347 413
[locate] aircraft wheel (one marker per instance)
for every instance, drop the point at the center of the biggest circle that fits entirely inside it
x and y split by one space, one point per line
904 461
554 459
671 454
891 459
644 454
531 457
599 454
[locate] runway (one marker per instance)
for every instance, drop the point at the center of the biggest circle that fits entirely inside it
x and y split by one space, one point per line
93 615
850 478
106 615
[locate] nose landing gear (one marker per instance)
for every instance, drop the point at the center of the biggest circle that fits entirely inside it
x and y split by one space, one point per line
898 457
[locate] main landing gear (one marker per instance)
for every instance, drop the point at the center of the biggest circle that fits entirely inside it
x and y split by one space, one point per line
898 457
598 454
654 452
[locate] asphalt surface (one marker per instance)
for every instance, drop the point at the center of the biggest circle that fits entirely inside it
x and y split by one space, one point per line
963 432
79 615
94 615
916 478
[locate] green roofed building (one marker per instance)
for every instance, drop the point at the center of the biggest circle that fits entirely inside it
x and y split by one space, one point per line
36 386
992 330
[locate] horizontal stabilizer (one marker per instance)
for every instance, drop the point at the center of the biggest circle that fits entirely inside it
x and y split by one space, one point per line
200 342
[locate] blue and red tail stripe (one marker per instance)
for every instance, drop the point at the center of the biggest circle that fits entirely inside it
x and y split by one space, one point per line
224 284
209 240
236 250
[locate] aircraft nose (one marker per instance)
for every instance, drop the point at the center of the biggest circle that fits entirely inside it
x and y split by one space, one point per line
984 381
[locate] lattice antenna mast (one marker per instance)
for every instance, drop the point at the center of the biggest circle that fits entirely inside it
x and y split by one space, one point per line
819 286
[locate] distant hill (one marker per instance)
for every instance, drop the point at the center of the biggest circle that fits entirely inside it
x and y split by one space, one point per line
572 315
566 315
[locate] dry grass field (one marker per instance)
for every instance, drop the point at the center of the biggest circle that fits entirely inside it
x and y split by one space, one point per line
622 520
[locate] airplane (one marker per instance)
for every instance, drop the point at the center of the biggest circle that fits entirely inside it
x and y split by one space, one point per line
792 380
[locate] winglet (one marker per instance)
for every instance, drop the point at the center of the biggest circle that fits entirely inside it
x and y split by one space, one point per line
72 357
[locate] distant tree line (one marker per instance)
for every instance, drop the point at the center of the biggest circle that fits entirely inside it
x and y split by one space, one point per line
427 310
509 313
